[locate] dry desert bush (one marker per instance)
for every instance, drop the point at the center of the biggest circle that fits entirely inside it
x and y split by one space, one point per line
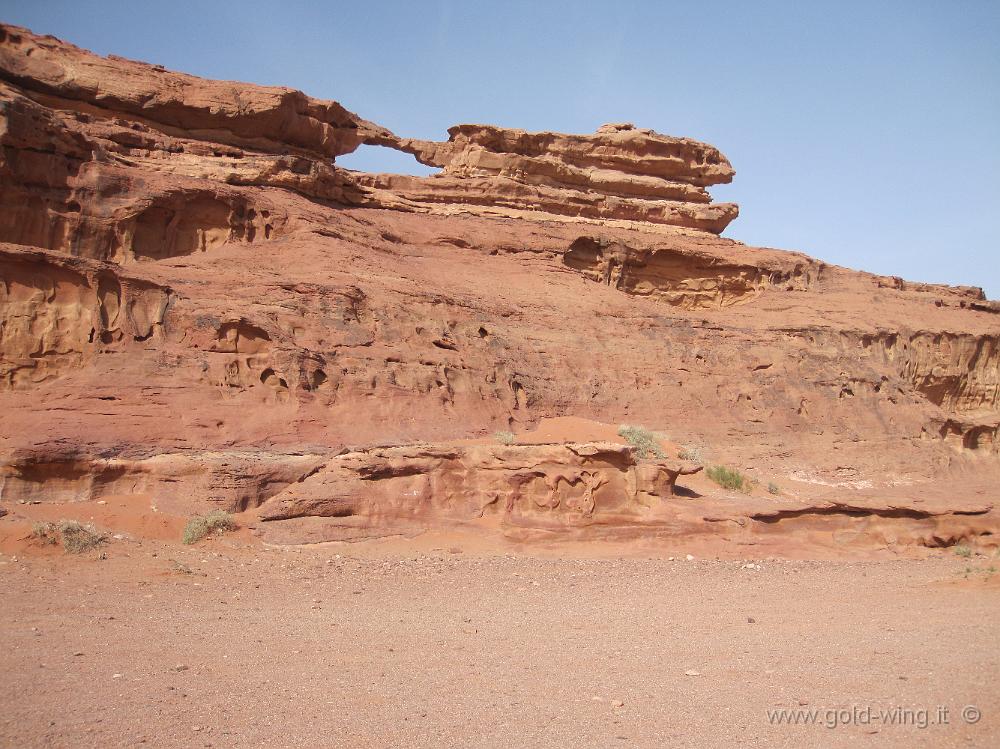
643 440
76 538
217 521
729 478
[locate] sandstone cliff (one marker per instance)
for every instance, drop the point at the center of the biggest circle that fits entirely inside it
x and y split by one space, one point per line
199 305
619 172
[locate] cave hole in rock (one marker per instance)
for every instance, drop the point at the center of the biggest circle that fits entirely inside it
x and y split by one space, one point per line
384 160
273 379
194 225
318 379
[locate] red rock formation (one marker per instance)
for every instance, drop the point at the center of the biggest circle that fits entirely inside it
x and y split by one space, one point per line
259 117
619 172
581 490
533 485
198 304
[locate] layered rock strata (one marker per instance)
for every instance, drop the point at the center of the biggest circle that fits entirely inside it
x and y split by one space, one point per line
198 304
619 172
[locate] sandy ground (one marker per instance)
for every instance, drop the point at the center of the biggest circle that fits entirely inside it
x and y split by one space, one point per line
421 645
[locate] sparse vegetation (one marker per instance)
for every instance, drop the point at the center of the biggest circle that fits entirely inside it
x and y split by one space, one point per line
76 538
643 440
963 551
729 478
773 488
217 521
505 438
691 453
986 572
47 533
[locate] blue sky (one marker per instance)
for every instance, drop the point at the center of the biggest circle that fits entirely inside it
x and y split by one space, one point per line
863 133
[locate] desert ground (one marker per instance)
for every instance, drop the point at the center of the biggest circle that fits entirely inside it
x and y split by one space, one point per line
450 640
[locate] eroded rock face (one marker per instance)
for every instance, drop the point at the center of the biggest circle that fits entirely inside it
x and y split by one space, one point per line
618 158
60 192
59 312
197 303
179 483
619 172
537 485
261 117
586 491
682 278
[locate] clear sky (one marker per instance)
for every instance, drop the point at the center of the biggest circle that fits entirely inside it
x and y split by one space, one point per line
863 133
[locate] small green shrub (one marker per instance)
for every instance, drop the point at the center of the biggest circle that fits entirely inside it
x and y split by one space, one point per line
642 440
963 551
217 521
76 538
729 478
505 438
691 453
773 488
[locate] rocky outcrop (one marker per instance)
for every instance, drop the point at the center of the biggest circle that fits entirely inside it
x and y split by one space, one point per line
682 279
263 118
976 432
959 372
197 303
178 483
593 491
135 114
619 172
533 485
58 312
60 190
617 159
508 196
